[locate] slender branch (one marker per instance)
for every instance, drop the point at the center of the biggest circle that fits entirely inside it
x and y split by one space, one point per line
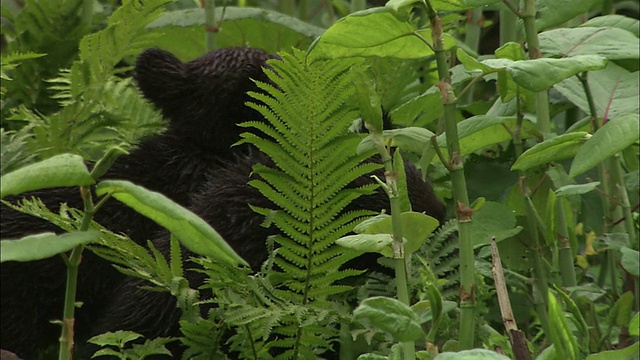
512 8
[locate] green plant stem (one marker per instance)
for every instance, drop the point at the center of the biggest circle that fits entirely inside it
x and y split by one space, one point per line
508 27
211 27
540 285
459 187
567 269
357 5
473 29
87 12
391 180
528 16
73 263
287 7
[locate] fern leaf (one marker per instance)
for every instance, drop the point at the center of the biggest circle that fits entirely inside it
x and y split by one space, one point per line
308 115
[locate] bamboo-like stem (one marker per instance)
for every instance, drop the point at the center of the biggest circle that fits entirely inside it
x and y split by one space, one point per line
540 285
528 16
210 25
73 262
473 28
287 7
391 180
458 181
357 5
567 269
508 27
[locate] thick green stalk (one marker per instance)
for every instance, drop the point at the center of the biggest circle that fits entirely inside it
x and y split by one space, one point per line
540 285
210 25
508 27
73 262
287 7
528 16
391 180
567 270
357 5
459 187
473 30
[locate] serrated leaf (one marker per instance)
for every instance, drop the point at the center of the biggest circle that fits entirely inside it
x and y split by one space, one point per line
610 139
610 43
42 246
391 316
57 171
373 32
193 232
558 148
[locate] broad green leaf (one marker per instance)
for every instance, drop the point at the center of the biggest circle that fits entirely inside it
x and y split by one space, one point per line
628 353
391 316
420 110
416 228
380 243
373 32
621 312
630 260
560 332
401 175
614 91
577 189
555 12
634 325
480 131
473 354
42 246
423 309
241 26
558 148
57 171
457 5
193 232
610 139
413 139
610 43
493 219
375 233
541 74
368 100
361 228
471 64
615 21
512 51
118 338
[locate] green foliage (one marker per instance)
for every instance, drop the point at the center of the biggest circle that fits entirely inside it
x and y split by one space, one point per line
309 185
119 340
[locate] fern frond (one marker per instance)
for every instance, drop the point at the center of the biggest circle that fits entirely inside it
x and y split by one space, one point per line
438 259
308 112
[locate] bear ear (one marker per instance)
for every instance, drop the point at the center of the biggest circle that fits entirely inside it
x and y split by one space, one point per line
160 77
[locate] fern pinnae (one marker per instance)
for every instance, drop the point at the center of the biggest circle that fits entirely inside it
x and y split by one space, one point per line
308 113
